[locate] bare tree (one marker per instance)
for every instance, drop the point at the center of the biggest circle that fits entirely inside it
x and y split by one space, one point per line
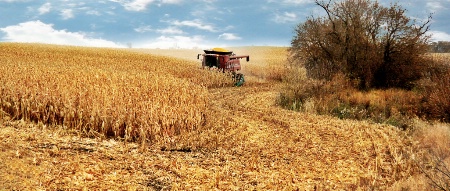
374 45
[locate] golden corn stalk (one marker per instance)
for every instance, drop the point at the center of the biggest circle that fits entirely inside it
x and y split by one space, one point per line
114 92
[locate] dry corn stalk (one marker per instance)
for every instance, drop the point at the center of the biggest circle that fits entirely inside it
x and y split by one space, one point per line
114 92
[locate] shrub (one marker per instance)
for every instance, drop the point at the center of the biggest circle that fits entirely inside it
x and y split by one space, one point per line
435 87
297 89
339 98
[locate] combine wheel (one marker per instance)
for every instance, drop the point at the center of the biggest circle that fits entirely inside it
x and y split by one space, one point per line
238 79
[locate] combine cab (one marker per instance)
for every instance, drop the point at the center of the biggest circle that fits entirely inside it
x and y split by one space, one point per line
224 61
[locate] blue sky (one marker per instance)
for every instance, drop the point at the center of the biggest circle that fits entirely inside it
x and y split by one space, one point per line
176 23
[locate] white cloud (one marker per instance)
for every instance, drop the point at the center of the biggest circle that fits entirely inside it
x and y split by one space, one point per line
45 8
67 14
168 42
10 1
196 23
137 5
39 32
229 36
143 29
435 6
209 1
170 30
285 17
439 36
206 9
93 12
295 2
171 1
141 5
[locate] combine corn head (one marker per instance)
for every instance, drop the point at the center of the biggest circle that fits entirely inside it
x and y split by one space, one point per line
224 61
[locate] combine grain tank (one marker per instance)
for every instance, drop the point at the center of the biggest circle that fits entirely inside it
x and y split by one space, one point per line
224 61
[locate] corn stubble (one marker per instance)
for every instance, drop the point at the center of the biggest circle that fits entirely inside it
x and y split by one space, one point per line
115 93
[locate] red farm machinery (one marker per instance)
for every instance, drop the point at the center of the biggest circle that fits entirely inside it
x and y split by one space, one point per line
224 61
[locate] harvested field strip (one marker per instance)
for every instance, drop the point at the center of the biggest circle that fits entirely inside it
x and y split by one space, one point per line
261 146
252 154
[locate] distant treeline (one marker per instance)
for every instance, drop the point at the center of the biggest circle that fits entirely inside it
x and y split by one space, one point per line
440 47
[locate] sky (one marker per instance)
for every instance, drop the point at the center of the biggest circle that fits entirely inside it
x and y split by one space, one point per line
177 23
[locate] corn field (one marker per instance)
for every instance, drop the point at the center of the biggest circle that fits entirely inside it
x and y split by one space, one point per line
112 92
204 133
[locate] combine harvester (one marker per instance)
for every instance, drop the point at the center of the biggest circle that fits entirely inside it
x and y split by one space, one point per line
225 61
